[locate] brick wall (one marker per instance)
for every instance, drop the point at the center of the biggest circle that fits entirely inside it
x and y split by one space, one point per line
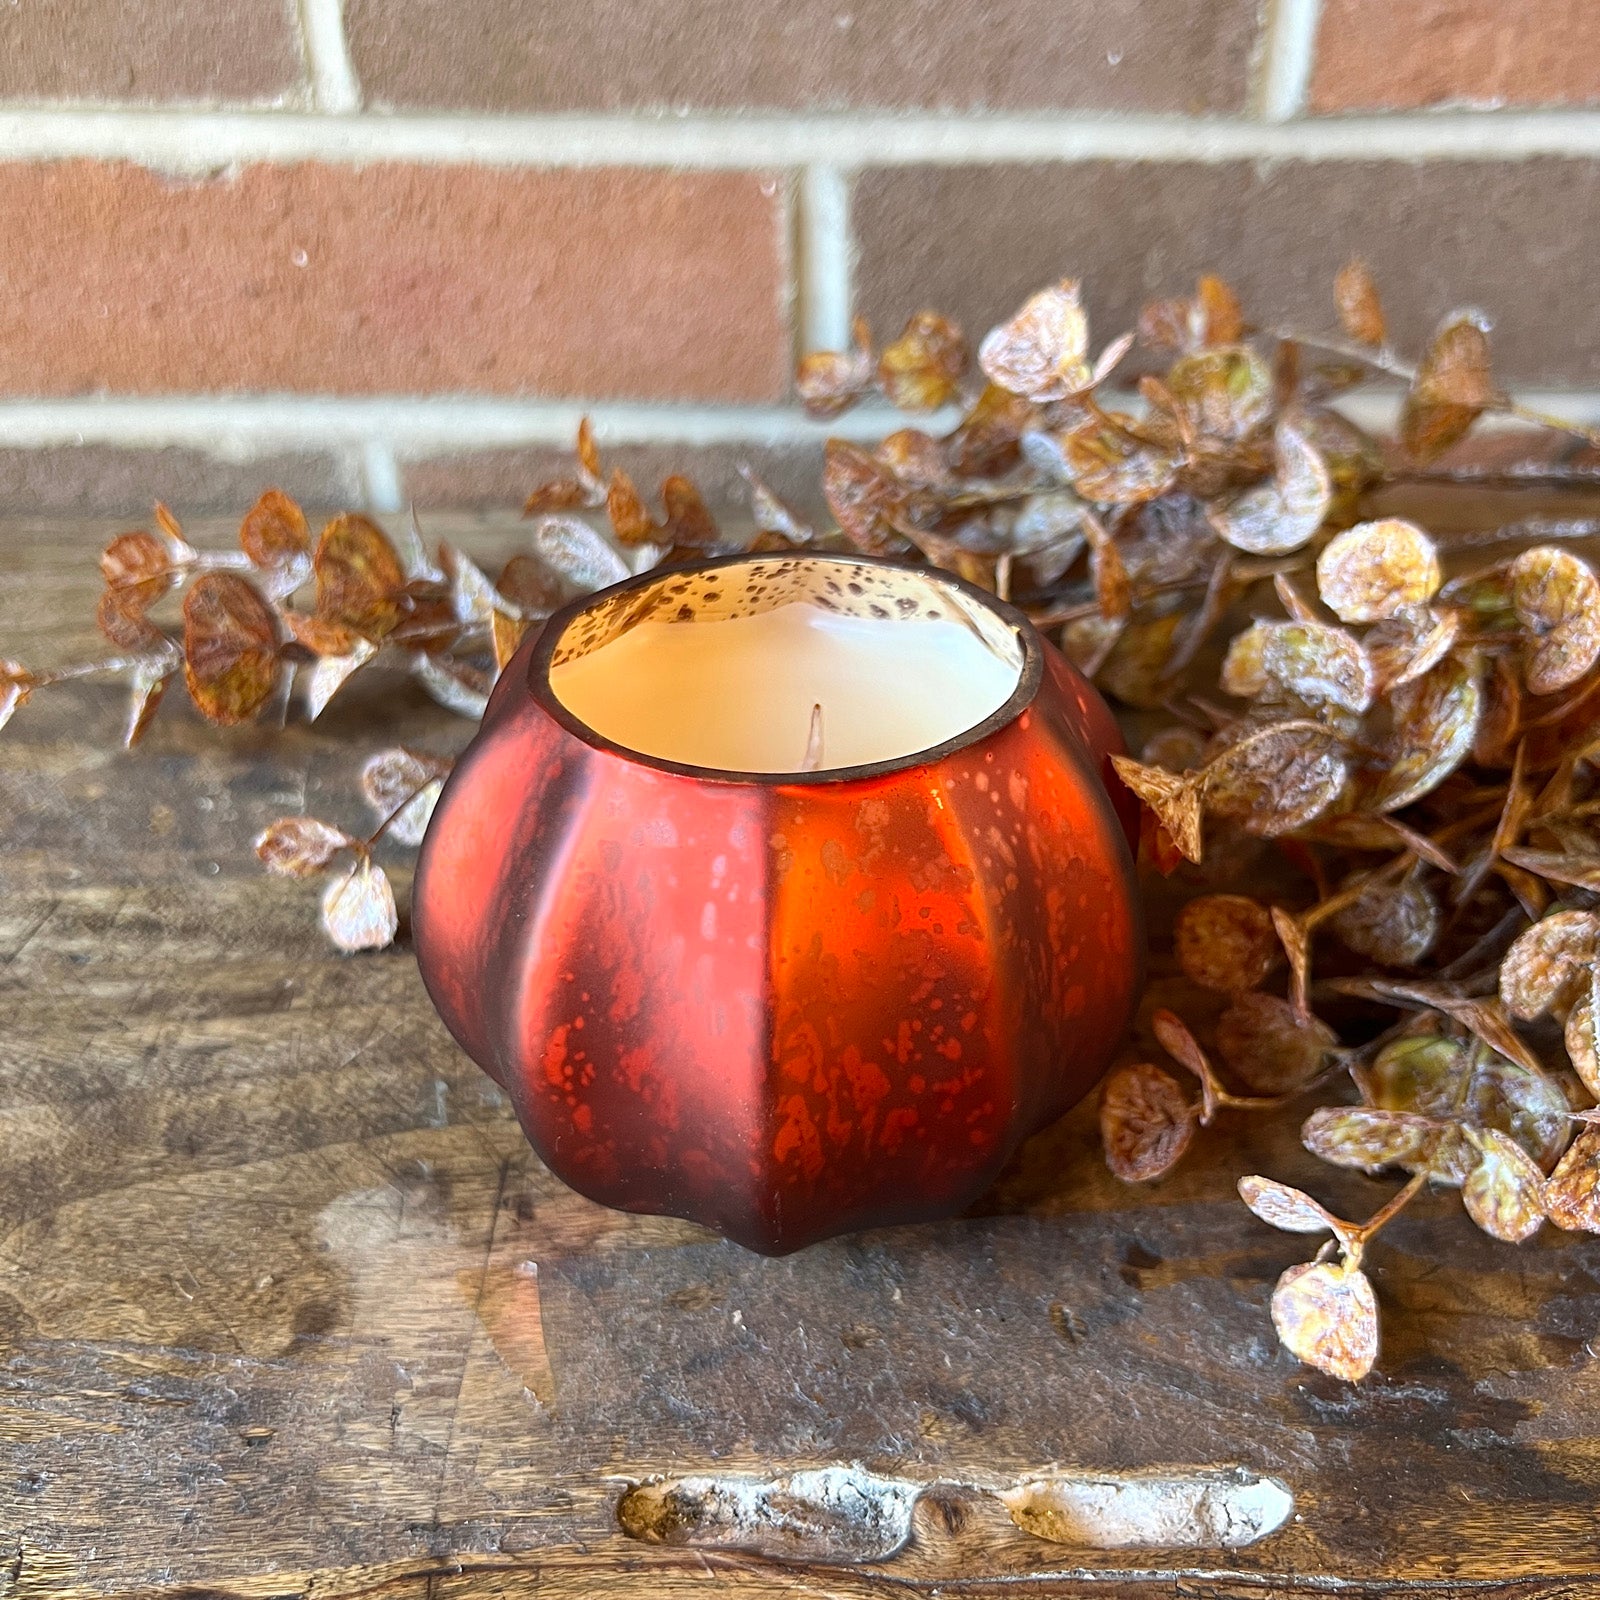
393 250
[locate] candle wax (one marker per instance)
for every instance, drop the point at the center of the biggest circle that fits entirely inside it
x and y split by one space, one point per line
739 693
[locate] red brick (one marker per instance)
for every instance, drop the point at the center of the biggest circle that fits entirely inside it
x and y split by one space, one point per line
1518 238
1383 55
392 279
501 478
144 50
115 480
494 55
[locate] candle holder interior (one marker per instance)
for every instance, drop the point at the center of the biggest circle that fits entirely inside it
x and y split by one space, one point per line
973 666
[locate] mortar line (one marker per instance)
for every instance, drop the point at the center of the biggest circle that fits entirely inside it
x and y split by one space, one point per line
382 488
383 433
1288 55
334 87
824 258
203 142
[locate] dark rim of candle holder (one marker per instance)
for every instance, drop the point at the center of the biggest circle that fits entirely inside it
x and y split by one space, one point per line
1021 697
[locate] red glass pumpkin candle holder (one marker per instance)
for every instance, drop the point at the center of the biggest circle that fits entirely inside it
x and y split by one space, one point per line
785 1004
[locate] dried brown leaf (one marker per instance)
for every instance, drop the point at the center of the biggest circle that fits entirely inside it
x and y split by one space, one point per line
1405 645
274 533
1225 942
1370 571
1434 723
1547 968
1224 394
1041 353
630 521
457 685
922 369
300 847
1557 600
1394 924
1174 798
570 547
331 673
1582 1036
147 687
1111 466
1502 1193
1146 1122
1269 1047
1369 1138
1451 389
1317 663
1360 310
1571 1194
863 496
1292 1210
359 576
690 525
135 558
1277 778
1327 1315
358 911
831 381
230 647
1284 513
402 786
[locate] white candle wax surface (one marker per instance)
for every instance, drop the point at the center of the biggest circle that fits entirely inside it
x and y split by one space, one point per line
738 693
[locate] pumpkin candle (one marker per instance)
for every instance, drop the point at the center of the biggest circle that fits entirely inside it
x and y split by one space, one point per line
784 893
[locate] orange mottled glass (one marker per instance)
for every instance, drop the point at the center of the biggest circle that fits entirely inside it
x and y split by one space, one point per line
912 966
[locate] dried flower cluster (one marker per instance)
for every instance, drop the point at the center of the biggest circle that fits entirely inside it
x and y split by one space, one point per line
1408 746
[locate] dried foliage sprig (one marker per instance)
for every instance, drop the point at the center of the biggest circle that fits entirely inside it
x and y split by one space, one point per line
1407 748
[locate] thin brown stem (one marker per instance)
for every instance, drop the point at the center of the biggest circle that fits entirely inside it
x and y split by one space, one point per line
1382 1218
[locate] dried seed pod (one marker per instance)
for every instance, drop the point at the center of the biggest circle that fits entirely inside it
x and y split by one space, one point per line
1502 1193
1548 967
1223 394
1146 1122
1225 942
1370 571
1436 1077
402 787
1327 1315
1557 600
1268 1047
359 576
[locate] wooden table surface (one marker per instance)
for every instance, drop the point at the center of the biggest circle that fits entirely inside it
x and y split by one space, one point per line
288 1308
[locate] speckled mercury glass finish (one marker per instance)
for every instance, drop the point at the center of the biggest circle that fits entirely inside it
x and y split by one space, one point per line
911 966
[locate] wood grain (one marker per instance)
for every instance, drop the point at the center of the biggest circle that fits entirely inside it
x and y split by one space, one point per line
288 1308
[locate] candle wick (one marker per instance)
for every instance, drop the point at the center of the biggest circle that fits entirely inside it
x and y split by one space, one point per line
812 760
